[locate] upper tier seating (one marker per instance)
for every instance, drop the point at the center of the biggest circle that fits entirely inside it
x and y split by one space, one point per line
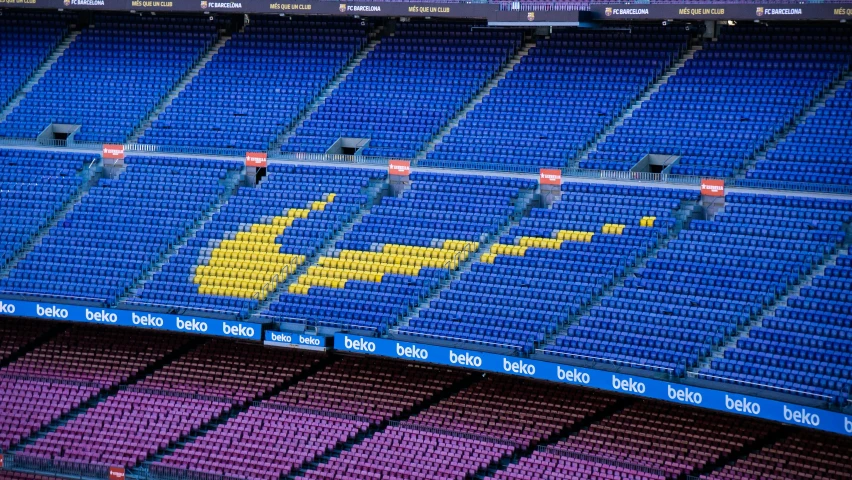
309 418
407 88
818 151
34 186
466 433
731 99
258 238
70 369
706 285
258 84
112 76
562 95
805 347
120 229
401 251
26 40
803 456
672 441
550 266
127 428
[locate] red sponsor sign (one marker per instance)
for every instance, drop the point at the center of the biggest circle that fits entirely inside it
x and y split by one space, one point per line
400 168
116 473
550 176
115 152
256 159
712 187
1 461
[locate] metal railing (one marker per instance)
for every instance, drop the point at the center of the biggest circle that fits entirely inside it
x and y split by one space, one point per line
284 272
611 361
176 394
175 309
614 175
60 381
452 433
564 452
24 462
458 339
313 411
164 472
99 301
763 386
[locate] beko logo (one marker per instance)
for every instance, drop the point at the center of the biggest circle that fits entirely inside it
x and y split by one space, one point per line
146 320
411 352
191 325
238 330
685 395
518 367
744 405
7 308
52 312
465 359
102 316
628 385
847 424
573 376
801 416
280 337
309 341
359 345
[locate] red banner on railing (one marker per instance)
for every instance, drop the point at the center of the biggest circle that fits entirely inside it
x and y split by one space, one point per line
114 152
550 176
256 159
116 473
1 461
712 188
399 168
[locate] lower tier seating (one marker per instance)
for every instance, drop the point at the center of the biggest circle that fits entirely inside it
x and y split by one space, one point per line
466 433
308 419
804 456
34 187
140 420
16 334
708 284
401 251
121 229
72 368
804 347
258 239
540 275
